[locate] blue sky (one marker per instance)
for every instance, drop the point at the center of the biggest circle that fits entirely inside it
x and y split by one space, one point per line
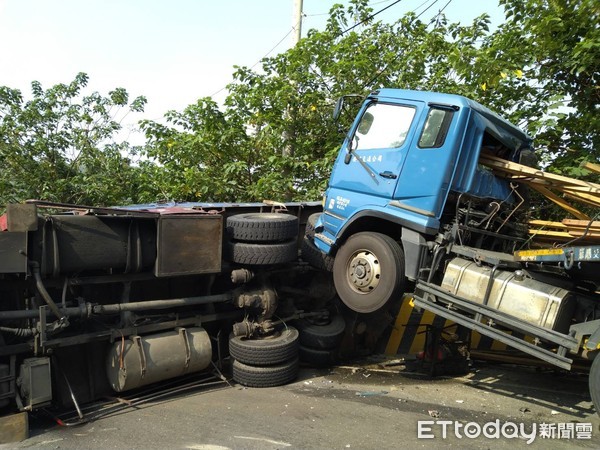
174 51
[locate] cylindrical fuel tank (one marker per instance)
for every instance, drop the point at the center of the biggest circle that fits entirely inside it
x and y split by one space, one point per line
530 300
141 360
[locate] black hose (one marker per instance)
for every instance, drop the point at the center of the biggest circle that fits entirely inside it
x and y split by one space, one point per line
20 332
35 268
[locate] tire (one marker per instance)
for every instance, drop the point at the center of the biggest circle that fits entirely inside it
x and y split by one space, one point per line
318 358
322 337
594 383
262 227
261 377
268 351
315 257
310 225
261 254
368 271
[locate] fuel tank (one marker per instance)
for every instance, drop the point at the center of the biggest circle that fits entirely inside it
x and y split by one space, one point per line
138 361
512 293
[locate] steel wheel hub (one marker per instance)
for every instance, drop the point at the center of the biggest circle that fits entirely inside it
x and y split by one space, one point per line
364 272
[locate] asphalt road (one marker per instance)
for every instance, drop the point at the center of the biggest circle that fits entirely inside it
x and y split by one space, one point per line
374 405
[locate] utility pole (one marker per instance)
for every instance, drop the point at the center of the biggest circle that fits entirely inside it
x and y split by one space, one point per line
297 22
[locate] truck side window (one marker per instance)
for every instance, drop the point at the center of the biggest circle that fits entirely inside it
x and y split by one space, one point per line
435 128
383 126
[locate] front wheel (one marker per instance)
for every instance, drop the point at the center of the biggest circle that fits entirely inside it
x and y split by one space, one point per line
368 271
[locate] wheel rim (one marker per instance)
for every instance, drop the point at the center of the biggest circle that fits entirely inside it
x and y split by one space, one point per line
363 272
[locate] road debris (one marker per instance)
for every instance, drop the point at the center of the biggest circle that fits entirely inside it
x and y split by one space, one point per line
371 393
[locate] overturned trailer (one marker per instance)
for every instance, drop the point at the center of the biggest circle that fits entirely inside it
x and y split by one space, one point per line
98 300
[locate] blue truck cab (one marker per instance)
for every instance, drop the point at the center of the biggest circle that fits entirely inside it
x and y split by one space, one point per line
413 207
408 162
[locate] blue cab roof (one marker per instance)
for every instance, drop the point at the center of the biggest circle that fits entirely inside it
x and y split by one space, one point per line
507 133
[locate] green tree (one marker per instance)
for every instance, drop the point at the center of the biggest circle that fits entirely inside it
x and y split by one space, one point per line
555 47
274 138
61 145
238 153
201 154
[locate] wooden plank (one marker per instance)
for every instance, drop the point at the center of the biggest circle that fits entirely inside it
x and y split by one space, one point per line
581 230
525 171
560 202
577 189
589 234
590 188
577 193
548 224
14 428
550 233
572 223
584 198
591 167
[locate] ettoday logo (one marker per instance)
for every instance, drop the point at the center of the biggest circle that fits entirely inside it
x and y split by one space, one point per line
432 429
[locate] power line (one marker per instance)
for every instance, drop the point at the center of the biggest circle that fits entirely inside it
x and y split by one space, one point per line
347 30
425 2
436 18
327 13
425 10
274 47
399 53
369 17
258 62
292 29
445 6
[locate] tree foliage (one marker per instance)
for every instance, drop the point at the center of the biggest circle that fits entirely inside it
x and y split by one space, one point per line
61 146
561 61
273 138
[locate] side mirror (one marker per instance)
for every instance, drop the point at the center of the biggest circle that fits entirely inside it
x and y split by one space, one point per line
337 110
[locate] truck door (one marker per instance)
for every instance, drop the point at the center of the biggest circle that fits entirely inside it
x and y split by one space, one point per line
429 164
379 144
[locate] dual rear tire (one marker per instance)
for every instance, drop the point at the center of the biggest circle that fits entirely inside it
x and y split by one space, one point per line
265 362
260 239
320 342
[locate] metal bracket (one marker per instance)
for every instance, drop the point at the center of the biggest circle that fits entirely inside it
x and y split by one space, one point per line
40 340
138 341
591 329
275 206
429 300
186 343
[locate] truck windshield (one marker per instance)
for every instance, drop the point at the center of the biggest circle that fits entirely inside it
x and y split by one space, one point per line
383 126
